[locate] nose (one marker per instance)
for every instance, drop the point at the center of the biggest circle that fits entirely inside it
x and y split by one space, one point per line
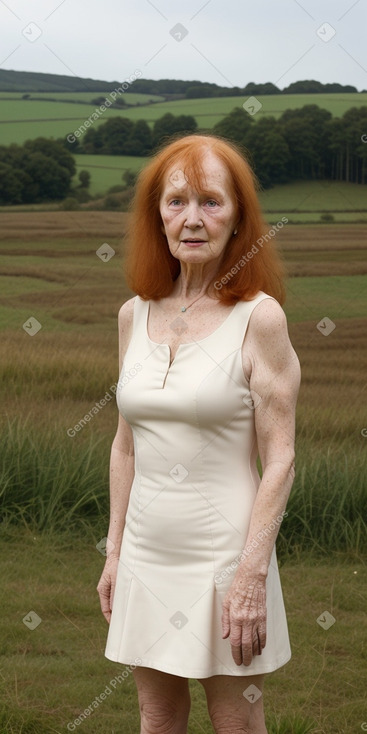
193 216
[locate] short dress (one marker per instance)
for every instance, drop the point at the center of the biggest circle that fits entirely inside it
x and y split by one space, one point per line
190 503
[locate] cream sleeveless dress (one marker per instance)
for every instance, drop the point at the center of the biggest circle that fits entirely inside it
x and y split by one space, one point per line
190 503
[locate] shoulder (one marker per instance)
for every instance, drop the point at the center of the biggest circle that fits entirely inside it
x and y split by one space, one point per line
125 322
126 312
268 347
267 321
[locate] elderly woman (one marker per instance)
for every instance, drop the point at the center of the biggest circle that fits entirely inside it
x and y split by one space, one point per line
208 383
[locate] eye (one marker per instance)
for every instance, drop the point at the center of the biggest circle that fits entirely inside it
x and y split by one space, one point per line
211 203
175 202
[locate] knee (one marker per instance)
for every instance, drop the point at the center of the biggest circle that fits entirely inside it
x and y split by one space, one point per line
228 723
162 717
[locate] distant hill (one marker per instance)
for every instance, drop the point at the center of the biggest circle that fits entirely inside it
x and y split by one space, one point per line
29 81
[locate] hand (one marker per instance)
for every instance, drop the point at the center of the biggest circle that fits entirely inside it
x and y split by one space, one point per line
244 617
106 585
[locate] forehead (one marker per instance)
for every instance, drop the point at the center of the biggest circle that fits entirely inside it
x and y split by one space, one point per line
211 173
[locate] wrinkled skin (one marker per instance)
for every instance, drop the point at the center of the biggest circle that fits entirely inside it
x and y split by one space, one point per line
244 617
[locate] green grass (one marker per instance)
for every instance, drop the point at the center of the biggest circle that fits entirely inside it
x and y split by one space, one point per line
338 297
52 673
54 487
49 118
315 197
106 170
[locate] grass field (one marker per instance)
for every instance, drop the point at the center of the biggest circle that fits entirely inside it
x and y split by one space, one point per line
52 673
54 488
106 170
23 119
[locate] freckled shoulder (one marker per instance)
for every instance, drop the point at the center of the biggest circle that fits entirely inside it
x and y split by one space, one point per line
267 333
125 325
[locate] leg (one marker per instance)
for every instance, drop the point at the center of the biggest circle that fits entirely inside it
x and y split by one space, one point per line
230 711
164 701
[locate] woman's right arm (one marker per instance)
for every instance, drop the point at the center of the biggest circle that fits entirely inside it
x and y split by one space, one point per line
121 478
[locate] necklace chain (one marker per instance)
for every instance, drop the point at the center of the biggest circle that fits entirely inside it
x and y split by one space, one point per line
185 308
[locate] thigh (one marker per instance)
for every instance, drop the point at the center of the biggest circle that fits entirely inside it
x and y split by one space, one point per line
235 703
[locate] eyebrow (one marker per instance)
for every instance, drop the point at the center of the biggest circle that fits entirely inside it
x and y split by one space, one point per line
177 192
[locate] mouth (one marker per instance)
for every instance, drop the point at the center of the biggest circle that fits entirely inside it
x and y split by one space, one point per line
193 241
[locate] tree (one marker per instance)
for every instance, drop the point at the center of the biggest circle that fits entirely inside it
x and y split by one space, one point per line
235 126
169 125
115 132
51 180
53 149
129 177
84 178
140 140
270 152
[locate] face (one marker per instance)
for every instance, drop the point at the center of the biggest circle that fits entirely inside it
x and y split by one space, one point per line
198 226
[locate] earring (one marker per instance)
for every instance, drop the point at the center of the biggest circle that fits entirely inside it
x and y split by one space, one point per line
235 231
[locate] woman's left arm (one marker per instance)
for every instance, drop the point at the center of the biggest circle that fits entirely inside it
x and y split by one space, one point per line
273 370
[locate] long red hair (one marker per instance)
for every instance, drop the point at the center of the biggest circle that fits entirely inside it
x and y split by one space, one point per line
151 270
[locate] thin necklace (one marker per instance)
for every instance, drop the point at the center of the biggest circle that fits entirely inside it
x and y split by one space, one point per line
185 308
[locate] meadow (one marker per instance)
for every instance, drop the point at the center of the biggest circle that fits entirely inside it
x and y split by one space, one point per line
54 486
23 119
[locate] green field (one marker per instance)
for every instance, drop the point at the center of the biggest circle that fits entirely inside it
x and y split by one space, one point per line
54 488
24 119
52 673
107 170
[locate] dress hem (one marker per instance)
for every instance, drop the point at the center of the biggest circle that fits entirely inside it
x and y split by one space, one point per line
269 668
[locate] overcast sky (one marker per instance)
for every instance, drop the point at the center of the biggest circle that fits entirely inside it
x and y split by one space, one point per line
229 42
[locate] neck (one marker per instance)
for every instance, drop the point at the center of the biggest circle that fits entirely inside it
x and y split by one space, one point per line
193 281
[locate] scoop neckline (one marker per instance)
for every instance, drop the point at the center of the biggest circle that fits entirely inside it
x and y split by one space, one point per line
196 341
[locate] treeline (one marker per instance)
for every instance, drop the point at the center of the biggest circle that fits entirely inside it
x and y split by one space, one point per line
306 143
40 170
197 89
28 81
121 136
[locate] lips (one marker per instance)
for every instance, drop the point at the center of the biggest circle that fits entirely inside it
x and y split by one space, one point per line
193 241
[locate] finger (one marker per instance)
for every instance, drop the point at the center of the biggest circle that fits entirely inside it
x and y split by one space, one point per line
262 634
256 645
235 640
104 600
247 646
225 622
